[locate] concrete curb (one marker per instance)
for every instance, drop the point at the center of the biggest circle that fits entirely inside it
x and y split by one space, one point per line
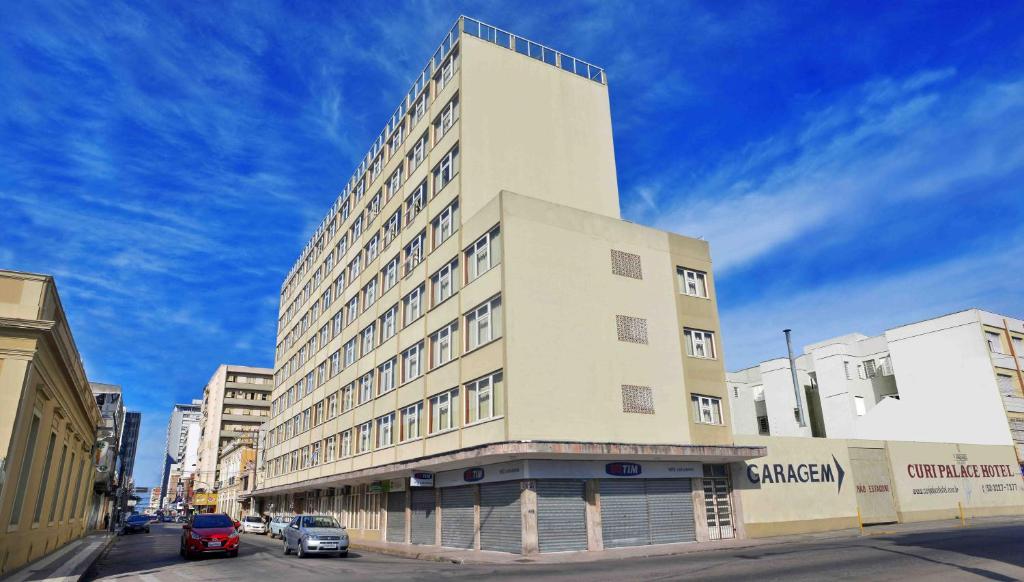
69 563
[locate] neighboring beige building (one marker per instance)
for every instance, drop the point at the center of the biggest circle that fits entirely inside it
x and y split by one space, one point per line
475 350
236 401
48 420
237 476
954 378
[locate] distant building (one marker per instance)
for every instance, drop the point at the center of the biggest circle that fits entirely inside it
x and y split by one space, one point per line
183 417
236 401
129 446
237 476
955 378
48 420
108 443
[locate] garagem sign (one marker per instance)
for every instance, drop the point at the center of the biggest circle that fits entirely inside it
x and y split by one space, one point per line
797 473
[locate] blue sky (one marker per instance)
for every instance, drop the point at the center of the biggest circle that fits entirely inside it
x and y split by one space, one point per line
854 165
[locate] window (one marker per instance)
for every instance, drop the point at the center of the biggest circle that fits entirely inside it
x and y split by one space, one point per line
395 182
397 137
392 226
443 282
355 266
1006 385
389 274
346 444
762 425
357 228
858 404
412 362
350 352
306 417
315 454
412 306
444 225
885 366
332 406
442 413
330 448
480 397
364 437
335 363
414 252
385 436
637 399
366 387
846 369
415 202
352 310
699 344
47 460
626 265
446 169
372 248
869 368
447 118
418 153
419 108
692 282
368 335
386 371
378 165
321 373
994 345
707 409
388 323
631 329
442 344
411 421
483 324
348 397
446 71
483 254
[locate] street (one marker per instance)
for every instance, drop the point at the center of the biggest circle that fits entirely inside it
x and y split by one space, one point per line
987 552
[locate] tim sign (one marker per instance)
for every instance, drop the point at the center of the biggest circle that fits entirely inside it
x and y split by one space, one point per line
623 469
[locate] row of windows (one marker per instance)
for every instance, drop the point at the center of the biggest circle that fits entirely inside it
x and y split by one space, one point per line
434 415
479 258
482 325
372 170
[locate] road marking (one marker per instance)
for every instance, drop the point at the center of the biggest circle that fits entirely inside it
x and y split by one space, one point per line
32 569
63 572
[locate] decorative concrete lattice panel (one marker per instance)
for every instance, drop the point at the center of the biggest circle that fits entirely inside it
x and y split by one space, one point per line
626 265
631 329
637 399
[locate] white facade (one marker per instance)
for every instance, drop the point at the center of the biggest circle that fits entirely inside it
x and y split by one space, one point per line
955 378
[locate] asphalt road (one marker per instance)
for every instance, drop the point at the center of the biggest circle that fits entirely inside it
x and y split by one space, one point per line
993 552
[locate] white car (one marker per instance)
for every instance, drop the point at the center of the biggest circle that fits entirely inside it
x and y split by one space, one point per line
253 524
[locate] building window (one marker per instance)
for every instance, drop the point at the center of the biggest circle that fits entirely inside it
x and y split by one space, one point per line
447 118
869 369
445 224
332 406
418 153
994 344
335 363
1006 385
483 254
480 397
364 438
385 436
443 282
626 265
692 282
846 369
391 227
387 376
368 335
442 413
411 421
372 248
413 305
483 324
699 344
631 329
858 404
366 387
637 399
395 182
706 409
762 425
412 362
330 448
415 202
442 344
352 309
350 352
346 443
348 397
388 323
390 274
414 252
446 170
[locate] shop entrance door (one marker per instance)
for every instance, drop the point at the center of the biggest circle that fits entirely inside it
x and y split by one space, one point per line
717 502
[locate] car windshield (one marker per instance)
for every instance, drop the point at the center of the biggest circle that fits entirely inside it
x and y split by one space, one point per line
201 521
319 521
253 519
138 518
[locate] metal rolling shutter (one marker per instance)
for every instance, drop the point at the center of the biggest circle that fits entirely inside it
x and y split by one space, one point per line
424 517
624 513
501 520
457 509
670 510
561 516
396 516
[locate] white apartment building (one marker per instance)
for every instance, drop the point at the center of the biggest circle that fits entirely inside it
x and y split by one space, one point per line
955 378
236 401
183 418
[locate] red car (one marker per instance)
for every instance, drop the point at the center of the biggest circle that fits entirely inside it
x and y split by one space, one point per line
209 533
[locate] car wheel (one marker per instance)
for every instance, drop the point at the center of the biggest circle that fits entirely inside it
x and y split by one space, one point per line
286 549
233 554
301 551
343 554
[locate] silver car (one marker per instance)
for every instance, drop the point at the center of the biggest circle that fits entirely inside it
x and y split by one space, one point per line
278 524
315 534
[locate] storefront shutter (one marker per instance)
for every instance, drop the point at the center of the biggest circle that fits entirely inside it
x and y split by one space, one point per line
561 516
501 520
396 516
457 509
624 513
670 510
424 517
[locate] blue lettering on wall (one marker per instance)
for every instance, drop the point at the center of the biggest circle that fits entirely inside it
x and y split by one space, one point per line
798 473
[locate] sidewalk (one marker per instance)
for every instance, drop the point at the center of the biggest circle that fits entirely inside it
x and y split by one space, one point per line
67 564
456 556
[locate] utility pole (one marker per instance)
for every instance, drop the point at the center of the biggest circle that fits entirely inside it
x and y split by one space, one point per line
801 417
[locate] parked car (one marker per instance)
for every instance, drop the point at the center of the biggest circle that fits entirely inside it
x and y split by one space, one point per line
136 523
253 524
209 533
315 534
167 519
181 519
277 525
153 519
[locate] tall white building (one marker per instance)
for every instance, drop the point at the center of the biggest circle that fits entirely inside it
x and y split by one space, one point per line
954 378
183 418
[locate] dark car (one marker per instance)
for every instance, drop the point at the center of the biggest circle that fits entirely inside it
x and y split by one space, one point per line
209 533
136 523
